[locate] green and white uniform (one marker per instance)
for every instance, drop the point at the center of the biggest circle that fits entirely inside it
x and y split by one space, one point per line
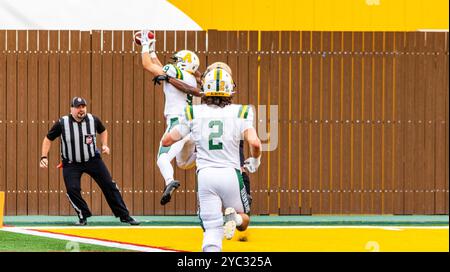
175 102
217 133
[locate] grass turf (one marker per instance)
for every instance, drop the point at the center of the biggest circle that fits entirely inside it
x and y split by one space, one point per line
16 242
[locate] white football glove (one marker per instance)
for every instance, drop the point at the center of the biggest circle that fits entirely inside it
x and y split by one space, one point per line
144 37
252 164
148 45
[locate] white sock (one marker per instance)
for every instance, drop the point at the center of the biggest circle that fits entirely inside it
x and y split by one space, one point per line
165 167
238 219
212 240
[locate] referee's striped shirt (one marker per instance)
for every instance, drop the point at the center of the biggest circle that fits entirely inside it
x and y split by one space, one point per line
78 139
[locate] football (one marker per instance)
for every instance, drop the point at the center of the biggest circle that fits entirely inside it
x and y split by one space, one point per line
138 35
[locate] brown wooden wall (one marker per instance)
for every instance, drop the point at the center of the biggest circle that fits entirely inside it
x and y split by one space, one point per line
363 118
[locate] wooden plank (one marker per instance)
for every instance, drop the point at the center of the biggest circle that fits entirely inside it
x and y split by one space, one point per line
53 115
241 73
274 96
335 126
107 105
117 113
441 123
346 116
96 107
366 117
151 171
305 98
64 106
315 111
253 99
33 141
430 91
139 163
11 127
284 124
222 46
400 71
410 63
388 124
201 49
325 117
43 117
295 123
377 113
356 125
22 128
129 191
233 59
419 127
3 76
447 135
212 47
263 171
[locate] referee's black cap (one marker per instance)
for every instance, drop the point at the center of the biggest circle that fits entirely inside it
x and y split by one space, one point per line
76 101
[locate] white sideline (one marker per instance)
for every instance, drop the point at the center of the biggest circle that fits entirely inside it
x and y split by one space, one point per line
84 240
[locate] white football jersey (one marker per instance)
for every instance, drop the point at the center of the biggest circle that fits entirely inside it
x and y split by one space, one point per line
176 100
217 132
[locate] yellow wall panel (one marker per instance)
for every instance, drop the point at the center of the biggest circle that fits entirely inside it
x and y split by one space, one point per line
319 15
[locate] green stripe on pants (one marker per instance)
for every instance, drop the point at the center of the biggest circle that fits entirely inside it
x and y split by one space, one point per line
243 192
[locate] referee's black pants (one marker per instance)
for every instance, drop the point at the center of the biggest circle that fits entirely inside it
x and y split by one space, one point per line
95 168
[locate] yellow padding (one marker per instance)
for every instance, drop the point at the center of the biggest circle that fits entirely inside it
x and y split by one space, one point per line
2 205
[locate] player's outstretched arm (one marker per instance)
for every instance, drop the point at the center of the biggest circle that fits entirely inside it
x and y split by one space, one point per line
254 142
149 65
185 88
150 61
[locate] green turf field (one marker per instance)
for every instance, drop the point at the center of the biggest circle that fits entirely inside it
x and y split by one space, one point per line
16 242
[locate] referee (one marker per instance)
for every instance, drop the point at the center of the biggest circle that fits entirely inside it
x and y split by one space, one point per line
80 155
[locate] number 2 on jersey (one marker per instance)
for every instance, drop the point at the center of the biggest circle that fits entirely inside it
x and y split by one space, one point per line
217 127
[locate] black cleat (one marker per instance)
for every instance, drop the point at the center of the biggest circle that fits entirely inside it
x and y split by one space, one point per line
130 220
168 191
81 222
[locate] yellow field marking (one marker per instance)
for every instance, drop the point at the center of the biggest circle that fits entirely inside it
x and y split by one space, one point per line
276 239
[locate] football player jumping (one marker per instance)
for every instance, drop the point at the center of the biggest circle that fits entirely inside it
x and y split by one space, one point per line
184 68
